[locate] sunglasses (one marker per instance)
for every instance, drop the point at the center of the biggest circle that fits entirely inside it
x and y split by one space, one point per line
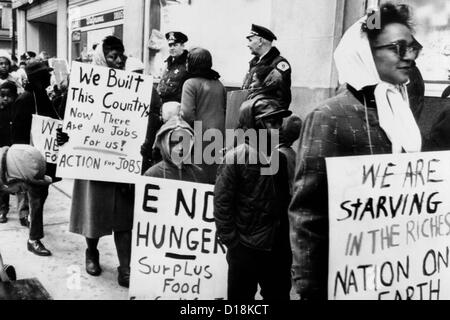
401 47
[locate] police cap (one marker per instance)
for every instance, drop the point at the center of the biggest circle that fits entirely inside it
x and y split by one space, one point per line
176 37
262 32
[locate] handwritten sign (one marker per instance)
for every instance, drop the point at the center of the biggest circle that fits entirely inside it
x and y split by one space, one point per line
43 132
389 221
106 120
175 251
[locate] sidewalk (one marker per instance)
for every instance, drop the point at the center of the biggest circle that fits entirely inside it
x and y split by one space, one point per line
62 274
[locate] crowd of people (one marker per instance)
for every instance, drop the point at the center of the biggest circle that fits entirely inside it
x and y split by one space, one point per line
275 226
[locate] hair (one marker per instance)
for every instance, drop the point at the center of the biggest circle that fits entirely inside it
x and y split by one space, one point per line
262 73
11 86
111 43
388 13
31 54
199 59
7 59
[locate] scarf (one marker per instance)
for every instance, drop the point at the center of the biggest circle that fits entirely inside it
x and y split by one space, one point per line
209 74
356 67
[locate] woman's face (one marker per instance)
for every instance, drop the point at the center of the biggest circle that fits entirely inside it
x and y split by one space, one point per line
391 67
115 59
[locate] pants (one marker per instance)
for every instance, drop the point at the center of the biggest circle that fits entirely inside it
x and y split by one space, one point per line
249 267
4 203
23 205
36 199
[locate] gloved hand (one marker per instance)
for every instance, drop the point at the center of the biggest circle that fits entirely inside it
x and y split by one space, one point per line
61 137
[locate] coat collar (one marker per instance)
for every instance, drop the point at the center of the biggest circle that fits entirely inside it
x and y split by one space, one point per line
268 57
181 59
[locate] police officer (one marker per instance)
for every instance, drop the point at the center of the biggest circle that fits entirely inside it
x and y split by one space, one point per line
260 43
172 80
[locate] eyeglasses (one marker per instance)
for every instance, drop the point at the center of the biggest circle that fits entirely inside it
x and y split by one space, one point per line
401 47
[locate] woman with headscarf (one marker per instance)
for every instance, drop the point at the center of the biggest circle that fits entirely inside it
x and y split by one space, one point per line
371 116
101 208
203 99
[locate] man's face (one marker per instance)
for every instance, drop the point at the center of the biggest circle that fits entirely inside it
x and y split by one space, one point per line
115 59
254 44
6 97
176 49
4 66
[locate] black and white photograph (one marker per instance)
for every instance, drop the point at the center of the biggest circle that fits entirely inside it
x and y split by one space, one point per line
242 152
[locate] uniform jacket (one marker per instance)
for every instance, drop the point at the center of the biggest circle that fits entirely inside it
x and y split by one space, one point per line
282 70
337 128
172 80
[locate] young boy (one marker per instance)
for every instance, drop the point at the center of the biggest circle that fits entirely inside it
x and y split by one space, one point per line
8 95
175 140
250 211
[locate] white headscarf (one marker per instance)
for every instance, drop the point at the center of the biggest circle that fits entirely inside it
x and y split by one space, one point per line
98 58
356 66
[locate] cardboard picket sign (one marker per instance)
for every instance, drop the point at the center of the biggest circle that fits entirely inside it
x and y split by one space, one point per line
43 133
106 120
389 222
175 251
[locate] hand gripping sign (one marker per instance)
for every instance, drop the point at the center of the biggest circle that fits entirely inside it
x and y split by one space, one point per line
389 219
106 120
175 251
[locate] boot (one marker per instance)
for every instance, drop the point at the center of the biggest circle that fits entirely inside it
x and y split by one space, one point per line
123 277
93 263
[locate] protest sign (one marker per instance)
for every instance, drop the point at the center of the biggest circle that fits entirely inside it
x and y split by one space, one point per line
175 251
389 219
106 120
43 133
60 69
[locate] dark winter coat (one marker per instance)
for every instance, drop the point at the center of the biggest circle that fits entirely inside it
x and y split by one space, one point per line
281 70
25 106
154 122
32 101
335 129
205 100
6 125
250 208
172 80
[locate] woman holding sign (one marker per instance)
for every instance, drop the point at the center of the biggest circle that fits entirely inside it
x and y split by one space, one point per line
371 116
101 208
